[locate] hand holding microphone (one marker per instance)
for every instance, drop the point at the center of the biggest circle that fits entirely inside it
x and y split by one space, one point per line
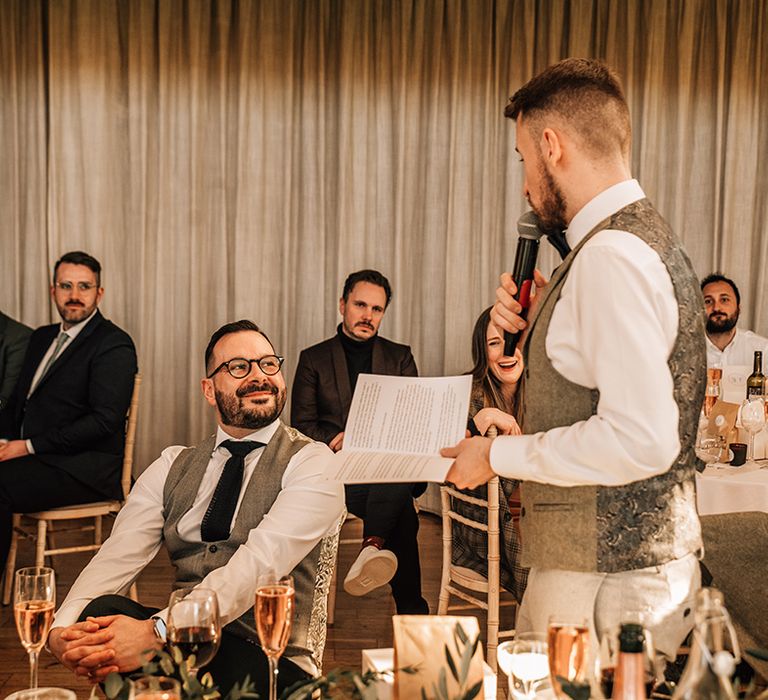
514 300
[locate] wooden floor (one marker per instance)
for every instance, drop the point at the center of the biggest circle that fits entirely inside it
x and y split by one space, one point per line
361 623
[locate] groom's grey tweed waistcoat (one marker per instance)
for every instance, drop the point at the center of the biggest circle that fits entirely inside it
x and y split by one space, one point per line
644 523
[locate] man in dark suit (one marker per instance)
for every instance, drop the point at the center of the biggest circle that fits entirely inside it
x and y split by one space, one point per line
14 337
322 393
64 423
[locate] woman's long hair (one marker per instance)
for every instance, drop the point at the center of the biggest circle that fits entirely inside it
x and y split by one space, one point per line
484 381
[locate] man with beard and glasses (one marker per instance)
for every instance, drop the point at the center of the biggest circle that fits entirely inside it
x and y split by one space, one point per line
727 345
246 501
65 420
322 394
614 377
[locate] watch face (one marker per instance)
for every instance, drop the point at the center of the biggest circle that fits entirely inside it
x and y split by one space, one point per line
160 628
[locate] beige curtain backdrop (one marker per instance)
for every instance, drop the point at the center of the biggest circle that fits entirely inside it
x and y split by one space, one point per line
238 159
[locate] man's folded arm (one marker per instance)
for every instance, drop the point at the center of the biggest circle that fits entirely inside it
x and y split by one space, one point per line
135 539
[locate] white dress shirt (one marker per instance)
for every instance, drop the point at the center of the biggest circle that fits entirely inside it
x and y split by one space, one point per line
71 334
305 510
740 351
612 329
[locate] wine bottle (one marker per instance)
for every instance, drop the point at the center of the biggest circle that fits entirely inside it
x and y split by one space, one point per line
756 380
629 681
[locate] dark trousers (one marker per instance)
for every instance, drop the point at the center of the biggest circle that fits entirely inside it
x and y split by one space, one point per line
236 658
28 485
387 511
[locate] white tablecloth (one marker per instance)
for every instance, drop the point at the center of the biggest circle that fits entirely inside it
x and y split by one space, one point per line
725 489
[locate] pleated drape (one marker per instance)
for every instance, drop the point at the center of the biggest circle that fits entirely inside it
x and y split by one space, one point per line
231 159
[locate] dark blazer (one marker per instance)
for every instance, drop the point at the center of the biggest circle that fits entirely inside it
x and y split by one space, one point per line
75 417
322 393
14 337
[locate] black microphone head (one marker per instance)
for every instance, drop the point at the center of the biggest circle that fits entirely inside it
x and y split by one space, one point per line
528 226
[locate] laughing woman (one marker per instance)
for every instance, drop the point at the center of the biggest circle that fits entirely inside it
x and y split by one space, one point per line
494 402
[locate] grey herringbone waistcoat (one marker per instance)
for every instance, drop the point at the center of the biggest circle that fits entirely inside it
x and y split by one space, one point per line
193 561
644 523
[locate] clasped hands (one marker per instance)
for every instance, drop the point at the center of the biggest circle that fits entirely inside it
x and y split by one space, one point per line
472 456
102 645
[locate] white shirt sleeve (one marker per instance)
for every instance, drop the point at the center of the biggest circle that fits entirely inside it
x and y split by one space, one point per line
135 540
305 510
612 329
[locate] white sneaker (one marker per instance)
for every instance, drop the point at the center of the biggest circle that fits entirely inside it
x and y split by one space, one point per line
373 568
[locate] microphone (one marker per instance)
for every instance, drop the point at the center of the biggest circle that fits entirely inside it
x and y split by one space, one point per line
522 273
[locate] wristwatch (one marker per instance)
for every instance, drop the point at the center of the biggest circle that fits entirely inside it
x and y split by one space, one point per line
159 628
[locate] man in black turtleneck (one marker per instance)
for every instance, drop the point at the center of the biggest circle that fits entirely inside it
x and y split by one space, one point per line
322 393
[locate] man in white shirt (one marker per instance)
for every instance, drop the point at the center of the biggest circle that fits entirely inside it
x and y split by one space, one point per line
727 345
250 501
614 377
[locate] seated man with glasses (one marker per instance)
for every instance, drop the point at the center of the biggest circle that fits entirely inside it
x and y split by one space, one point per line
247 501
64 424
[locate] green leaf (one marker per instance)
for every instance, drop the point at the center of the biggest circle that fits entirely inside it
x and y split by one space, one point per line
451 664
473 691
436 693
113 685
461 633
466 659
166 664
442 679
758 653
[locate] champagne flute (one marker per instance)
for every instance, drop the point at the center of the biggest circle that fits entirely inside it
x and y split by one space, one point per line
753 421
568 651
525 662
194 627
34 598
274 618
712 393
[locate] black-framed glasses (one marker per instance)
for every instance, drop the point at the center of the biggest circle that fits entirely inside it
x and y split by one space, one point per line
240 367
81 286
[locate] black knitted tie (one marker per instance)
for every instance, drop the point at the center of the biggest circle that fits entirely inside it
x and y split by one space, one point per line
218 517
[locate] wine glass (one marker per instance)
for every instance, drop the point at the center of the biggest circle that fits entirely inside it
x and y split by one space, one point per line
568 651
34 598
608 658
274 618
194 627
753 421
525 662
156 688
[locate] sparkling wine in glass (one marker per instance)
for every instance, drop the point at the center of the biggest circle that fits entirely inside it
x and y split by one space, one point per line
34 599
526 664
194 627
568 650
274 618
714 375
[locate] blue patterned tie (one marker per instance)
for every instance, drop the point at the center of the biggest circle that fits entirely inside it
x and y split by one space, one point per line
218 517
